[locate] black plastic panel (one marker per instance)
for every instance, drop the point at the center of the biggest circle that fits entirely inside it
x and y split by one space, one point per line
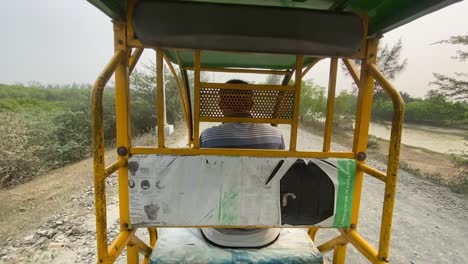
209 26
309 195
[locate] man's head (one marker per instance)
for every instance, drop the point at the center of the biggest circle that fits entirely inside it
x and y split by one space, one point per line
236 103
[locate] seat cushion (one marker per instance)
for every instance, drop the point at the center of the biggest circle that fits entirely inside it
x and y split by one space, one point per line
187 245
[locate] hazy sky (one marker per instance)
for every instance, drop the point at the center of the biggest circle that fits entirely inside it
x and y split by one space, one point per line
65 41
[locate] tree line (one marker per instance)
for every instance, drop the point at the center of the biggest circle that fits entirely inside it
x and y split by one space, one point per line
434 109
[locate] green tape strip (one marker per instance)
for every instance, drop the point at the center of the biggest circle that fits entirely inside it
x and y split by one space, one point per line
228 208
344 201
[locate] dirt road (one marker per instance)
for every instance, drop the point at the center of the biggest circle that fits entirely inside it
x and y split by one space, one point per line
51 219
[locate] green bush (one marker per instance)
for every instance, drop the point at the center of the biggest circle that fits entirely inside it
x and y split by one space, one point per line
69 138
432 111
460 162
44 128
18 137
313 103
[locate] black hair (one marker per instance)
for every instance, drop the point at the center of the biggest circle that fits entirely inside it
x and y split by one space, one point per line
237 81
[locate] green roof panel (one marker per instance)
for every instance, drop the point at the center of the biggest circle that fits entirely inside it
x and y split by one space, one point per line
115 9
217 59
386 15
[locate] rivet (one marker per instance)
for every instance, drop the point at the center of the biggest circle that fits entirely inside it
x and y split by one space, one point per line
122 151
361 156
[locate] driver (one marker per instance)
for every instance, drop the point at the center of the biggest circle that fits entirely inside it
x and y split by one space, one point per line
239 103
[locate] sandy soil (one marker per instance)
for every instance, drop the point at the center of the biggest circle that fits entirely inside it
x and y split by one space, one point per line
51 219
420 161
439 168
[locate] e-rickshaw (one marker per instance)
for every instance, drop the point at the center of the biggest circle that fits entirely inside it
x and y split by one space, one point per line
285 38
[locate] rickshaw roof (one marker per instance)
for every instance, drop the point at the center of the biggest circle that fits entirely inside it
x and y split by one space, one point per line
383 16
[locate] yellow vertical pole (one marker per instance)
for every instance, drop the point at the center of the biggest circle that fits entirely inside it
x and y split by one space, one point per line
160 96
182 94
297 97
132 254
189 113
130 8
98 156
196 106
153 234
363 116
122 119
357 120
122 116
312 232
184 77
390 187
330 105
393 160
99 177
339 254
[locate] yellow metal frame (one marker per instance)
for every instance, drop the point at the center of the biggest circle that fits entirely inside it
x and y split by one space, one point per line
123 62
330 105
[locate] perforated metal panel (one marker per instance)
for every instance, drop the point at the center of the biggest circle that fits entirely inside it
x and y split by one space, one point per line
264 104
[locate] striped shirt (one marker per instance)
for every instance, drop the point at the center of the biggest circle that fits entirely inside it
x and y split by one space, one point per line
242 135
